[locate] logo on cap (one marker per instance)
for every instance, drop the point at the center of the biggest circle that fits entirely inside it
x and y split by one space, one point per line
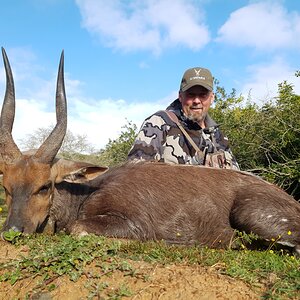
197 72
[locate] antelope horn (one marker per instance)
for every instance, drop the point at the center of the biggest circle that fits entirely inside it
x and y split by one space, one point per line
8 149
48 150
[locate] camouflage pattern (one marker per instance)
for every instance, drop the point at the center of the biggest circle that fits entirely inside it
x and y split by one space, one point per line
160 139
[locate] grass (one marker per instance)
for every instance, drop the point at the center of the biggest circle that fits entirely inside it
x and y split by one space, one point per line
49 257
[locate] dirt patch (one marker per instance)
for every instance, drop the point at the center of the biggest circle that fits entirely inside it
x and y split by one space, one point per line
149 281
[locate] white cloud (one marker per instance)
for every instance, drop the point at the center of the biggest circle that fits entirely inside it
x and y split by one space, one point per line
264 25
145 25
102 120
263 79
30 115
99 120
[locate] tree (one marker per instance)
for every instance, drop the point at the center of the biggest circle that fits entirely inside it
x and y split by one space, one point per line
282 139
74 145
116 151
264 139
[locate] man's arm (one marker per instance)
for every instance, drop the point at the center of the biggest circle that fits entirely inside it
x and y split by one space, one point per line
149 142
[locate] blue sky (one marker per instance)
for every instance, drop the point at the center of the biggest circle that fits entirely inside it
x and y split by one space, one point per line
125 59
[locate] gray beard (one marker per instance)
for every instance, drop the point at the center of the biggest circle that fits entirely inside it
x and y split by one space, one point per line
197 118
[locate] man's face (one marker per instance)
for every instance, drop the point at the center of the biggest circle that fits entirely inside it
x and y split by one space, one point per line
196 102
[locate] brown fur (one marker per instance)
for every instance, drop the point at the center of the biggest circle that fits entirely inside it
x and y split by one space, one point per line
186 205
153 201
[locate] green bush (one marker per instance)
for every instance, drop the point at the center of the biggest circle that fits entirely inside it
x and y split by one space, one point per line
265 139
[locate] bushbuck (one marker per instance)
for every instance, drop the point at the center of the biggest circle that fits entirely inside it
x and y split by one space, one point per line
145 201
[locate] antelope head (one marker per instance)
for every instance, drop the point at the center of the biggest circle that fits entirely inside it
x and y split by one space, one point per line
28 179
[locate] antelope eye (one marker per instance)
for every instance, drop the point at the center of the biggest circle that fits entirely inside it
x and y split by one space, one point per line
45 188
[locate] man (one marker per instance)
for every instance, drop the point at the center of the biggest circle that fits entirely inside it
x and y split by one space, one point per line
185 133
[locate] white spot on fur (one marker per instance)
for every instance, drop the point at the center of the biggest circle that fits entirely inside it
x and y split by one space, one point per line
284 220
82 233
269 216
286 243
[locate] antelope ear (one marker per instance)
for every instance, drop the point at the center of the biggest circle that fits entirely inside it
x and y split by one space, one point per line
75 172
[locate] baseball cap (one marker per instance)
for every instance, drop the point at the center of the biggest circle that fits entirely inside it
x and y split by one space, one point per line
197 76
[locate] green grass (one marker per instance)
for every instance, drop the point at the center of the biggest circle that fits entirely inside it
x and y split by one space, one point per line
53 256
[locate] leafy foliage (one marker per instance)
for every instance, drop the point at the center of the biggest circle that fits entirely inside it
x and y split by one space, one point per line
11 235
116 151
266 139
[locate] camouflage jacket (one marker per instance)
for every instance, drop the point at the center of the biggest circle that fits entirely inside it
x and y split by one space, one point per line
160 139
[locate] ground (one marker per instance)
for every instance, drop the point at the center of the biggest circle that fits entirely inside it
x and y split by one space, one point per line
151 281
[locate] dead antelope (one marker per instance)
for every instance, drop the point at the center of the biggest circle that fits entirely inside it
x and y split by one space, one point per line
144 201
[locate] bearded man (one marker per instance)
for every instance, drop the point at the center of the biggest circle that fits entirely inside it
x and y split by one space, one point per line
184 133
